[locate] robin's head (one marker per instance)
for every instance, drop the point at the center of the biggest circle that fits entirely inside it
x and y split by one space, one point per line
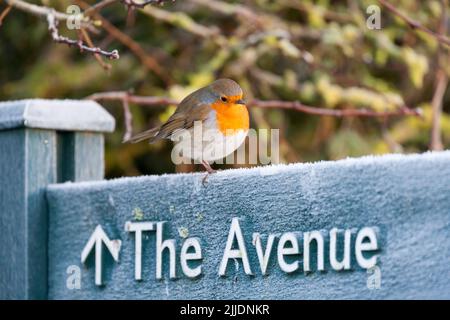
230 110
226 92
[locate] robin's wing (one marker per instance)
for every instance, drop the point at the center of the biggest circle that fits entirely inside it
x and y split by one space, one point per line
143 135
188 111
183 118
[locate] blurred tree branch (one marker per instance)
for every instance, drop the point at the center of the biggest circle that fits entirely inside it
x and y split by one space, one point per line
184 21
53 17
414 24
128 3
148 61
43 11
126 98
436 103
441 82
98 6
340 113
128 118
85 35
230 9
5 13
268 104
53 28
125 95
142 4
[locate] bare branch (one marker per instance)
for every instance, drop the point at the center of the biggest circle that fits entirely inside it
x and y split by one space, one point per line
126 98
269 104
148 61
53 28
128 119
441 86
124 95
43 11
98 6
184 21
5 13
53 17
140 5
230 9
297 106
98 57
414 24
128 3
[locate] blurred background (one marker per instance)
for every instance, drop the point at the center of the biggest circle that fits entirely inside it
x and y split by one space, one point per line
320 53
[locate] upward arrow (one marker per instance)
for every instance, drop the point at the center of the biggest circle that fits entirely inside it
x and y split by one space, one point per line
97 239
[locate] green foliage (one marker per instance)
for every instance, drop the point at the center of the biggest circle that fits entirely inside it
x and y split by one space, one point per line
318 52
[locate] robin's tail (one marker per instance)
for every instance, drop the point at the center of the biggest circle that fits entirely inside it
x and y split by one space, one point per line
151 134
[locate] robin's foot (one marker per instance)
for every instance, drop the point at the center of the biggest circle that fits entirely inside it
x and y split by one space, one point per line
209 171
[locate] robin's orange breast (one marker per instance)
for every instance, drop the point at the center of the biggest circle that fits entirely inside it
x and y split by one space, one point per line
231 117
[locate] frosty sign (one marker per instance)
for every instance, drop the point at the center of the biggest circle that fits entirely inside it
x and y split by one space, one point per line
371 228
292 250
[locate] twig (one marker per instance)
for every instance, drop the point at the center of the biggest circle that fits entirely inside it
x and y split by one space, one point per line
184 21
128 3
230 9
259 20
295 105
269 104
140 5
126 98
53 17
98 57
43 11
414 24
128 119
124 95
5 13
53 28
98 6
148 61
441 86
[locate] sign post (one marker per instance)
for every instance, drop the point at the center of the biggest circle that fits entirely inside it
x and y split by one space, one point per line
41 142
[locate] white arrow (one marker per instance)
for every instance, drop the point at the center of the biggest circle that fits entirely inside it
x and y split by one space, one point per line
98 238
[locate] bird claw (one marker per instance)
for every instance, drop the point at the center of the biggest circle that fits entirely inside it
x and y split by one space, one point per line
205 178
209 170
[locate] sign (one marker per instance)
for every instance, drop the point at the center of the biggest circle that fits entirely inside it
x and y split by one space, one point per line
357 228
288 246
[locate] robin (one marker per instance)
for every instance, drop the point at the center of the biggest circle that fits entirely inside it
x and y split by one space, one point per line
220 110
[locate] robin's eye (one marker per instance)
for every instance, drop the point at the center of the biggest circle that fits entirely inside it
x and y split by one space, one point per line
224 99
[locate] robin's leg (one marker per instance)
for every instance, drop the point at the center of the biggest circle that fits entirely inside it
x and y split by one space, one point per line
208 168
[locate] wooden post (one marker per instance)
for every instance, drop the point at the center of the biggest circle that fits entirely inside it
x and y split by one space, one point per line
41 142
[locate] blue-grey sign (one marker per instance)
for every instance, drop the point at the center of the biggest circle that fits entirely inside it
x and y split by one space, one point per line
357 228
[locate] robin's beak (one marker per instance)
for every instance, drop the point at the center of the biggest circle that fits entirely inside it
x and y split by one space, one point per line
240 101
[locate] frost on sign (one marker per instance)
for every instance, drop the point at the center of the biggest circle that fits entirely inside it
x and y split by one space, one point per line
293 250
